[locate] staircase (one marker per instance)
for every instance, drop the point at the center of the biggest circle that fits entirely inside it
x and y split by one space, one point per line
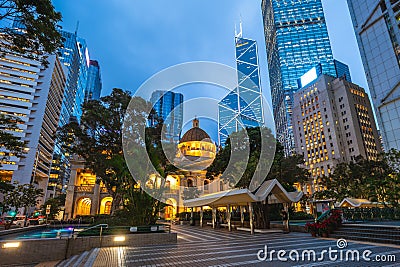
86 259
385 234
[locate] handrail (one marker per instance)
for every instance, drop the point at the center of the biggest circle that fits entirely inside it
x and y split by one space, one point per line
323 215
92 227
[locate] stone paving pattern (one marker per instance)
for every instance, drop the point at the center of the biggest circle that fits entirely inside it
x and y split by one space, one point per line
217 247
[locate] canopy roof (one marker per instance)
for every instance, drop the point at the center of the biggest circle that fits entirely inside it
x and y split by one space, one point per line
244 196
358 203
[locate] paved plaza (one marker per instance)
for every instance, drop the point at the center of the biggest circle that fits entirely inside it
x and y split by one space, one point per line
217 247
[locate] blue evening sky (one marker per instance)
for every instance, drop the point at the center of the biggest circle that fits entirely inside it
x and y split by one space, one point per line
133 40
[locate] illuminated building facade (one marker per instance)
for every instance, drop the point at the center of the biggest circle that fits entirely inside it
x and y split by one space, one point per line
169 107
376 24
243 107
84 195
32 93
333 123
296 39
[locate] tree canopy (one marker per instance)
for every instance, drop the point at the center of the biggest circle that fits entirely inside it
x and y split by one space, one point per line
376 180
11 143
29 27
98 139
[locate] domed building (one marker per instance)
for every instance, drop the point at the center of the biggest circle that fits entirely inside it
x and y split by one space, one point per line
196 151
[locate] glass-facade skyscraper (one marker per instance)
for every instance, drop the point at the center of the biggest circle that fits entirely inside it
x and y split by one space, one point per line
169 107
93 85
243 107
377 27
74 56
296 40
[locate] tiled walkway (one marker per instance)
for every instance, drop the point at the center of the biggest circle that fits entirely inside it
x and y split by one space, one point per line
208 247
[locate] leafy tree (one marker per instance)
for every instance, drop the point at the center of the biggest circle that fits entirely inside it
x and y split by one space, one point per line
21 196
36 32
98 140
286 170
8 141
56 204
376 180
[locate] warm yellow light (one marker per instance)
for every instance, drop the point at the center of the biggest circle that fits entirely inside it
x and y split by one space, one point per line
11 245
119 238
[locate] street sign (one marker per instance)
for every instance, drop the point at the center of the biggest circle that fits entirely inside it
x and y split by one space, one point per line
47 211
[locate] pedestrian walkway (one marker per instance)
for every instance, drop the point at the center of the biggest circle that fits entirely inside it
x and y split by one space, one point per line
217 247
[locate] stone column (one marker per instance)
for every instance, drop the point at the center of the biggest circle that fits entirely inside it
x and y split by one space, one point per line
214 216
201 216
228 217
242 215
69 198
94 208
251 218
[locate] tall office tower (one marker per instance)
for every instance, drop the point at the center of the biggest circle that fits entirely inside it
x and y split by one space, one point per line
243 107
333 122
75 56
94 85
376 24
34 94
169 107
296 39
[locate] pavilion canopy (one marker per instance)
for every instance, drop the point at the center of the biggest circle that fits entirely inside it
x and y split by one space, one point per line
270 188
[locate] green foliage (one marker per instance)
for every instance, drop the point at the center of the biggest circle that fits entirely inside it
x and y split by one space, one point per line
376 180
21 196
286 170
39 35
55 205
98 139
11 143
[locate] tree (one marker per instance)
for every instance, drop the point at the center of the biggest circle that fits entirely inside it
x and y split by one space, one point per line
98 139
21 196
9 142
377 180
29 27
56 204
286 170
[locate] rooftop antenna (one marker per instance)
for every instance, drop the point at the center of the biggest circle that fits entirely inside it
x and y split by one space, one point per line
77 27
240 34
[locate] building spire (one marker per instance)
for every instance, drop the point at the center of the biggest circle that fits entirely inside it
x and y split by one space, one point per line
240 33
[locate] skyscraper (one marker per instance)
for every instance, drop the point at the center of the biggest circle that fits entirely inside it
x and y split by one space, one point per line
33 93
296 40
376 24
75 56
169 107
333 122
93 85
243 107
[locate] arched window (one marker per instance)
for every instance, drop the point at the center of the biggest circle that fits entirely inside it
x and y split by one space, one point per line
107 207
190 183
206 182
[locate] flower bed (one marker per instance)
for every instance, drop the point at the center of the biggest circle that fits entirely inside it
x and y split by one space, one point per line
326 226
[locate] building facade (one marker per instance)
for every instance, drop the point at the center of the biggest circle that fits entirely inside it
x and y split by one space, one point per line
194 153
74 56
333 122
376 24
243 107
168 106
33 93
94 84
296 39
